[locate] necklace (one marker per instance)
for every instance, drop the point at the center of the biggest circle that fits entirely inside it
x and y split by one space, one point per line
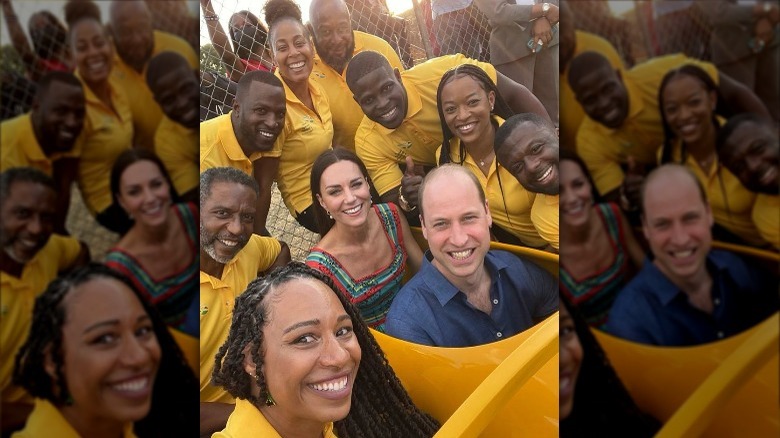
487 158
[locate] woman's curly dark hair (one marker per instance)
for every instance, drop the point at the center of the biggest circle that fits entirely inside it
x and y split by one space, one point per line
501 107
380 405
174 407
276 10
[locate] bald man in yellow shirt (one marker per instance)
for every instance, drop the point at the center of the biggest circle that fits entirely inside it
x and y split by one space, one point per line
136 42
402 118
337 43
225 272
46 138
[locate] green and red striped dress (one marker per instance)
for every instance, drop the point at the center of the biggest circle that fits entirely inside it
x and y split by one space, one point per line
374 293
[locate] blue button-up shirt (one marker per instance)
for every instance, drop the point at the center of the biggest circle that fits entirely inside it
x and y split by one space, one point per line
652 310
430 310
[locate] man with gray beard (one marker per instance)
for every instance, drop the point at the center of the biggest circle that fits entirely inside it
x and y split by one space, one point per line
230 257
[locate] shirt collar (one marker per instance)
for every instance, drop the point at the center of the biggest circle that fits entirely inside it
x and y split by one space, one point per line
666 291
442 288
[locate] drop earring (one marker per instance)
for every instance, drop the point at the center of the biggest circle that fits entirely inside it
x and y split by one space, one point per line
329 215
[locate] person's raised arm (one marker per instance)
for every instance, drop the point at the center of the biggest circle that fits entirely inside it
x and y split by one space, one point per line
265 171
740 98
64 172
19 40
213 417
219 40
519 98
413 250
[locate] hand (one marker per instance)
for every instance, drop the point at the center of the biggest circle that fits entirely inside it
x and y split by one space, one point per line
630 191
553 15
542 31
410 182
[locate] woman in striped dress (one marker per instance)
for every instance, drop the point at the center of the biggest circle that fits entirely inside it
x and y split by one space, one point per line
365 248
598 251
160 252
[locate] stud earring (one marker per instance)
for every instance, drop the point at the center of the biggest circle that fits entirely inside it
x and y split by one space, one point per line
329 215
370 200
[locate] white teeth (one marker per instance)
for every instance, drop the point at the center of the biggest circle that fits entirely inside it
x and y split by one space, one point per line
466 128
331 386
354 209
545 174
389 114
769 175
297 65
688 129
230 243
266 134
682 254
28 243
460 255
133 385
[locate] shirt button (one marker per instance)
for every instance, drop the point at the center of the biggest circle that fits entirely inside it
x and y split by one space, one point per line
716 301
499 334
720 334
495 301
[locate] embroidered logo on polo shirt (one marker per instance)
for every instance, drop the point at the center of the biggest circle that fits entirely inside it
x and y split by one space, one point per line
307 122
403 150
318 74
204 310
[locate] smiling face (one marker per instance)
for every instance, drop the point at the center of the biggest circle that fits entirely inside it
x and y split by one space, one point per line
144 193
92 51
259 117
530 153
333 37
110 353
311 355
293 52
466 107
178 93
27 219
382 97
688 108
603 96
60 115
456 224
677 224
569 364
131 25
576 195
752 154
226 220
344 193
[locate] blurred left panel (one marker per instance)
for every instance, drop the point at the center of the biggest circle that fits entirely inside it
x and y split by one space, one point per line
98 176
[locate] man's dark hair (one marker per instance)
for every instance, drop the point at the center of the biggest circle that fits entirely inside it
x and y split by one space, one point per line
23 174
364 63
735 122
55 76
224 174
585 63
505 130
163 63
256 76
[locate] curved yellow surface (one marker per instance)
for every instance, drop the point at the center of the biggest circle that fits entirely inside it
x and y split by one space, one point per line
544 259
661 379
440 379
190 347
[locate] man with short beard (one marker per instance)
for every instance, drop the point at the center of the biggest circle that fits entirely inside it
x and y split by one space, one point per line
46 138
136 42
31 257
336 43
230 257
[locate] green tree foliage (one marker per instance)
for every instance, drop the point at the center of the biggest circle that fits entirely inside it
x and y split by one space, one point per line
209 59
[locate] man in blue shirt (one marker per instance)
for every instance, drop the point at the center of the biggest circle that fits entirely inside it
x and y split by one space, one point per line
688 294
465 294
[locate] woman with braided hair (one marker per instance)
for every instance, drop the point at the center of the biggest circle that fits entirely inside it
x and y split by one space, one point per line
299 358
470 110
100 362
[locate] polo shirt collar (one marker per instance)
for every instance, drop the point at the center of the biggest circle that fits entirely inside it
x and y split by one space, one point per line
34 151
443 290
229 140
665 290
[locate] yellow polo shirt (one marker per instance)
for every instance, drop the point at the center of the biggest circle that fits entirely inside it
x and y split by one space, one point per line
544 215
305 136
18 298
731 202
571 112
217 298
105 136
510 203
419 135
146 112
604 149
177 147
45 420
219 146
20 147
347 114
247 421
766 217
